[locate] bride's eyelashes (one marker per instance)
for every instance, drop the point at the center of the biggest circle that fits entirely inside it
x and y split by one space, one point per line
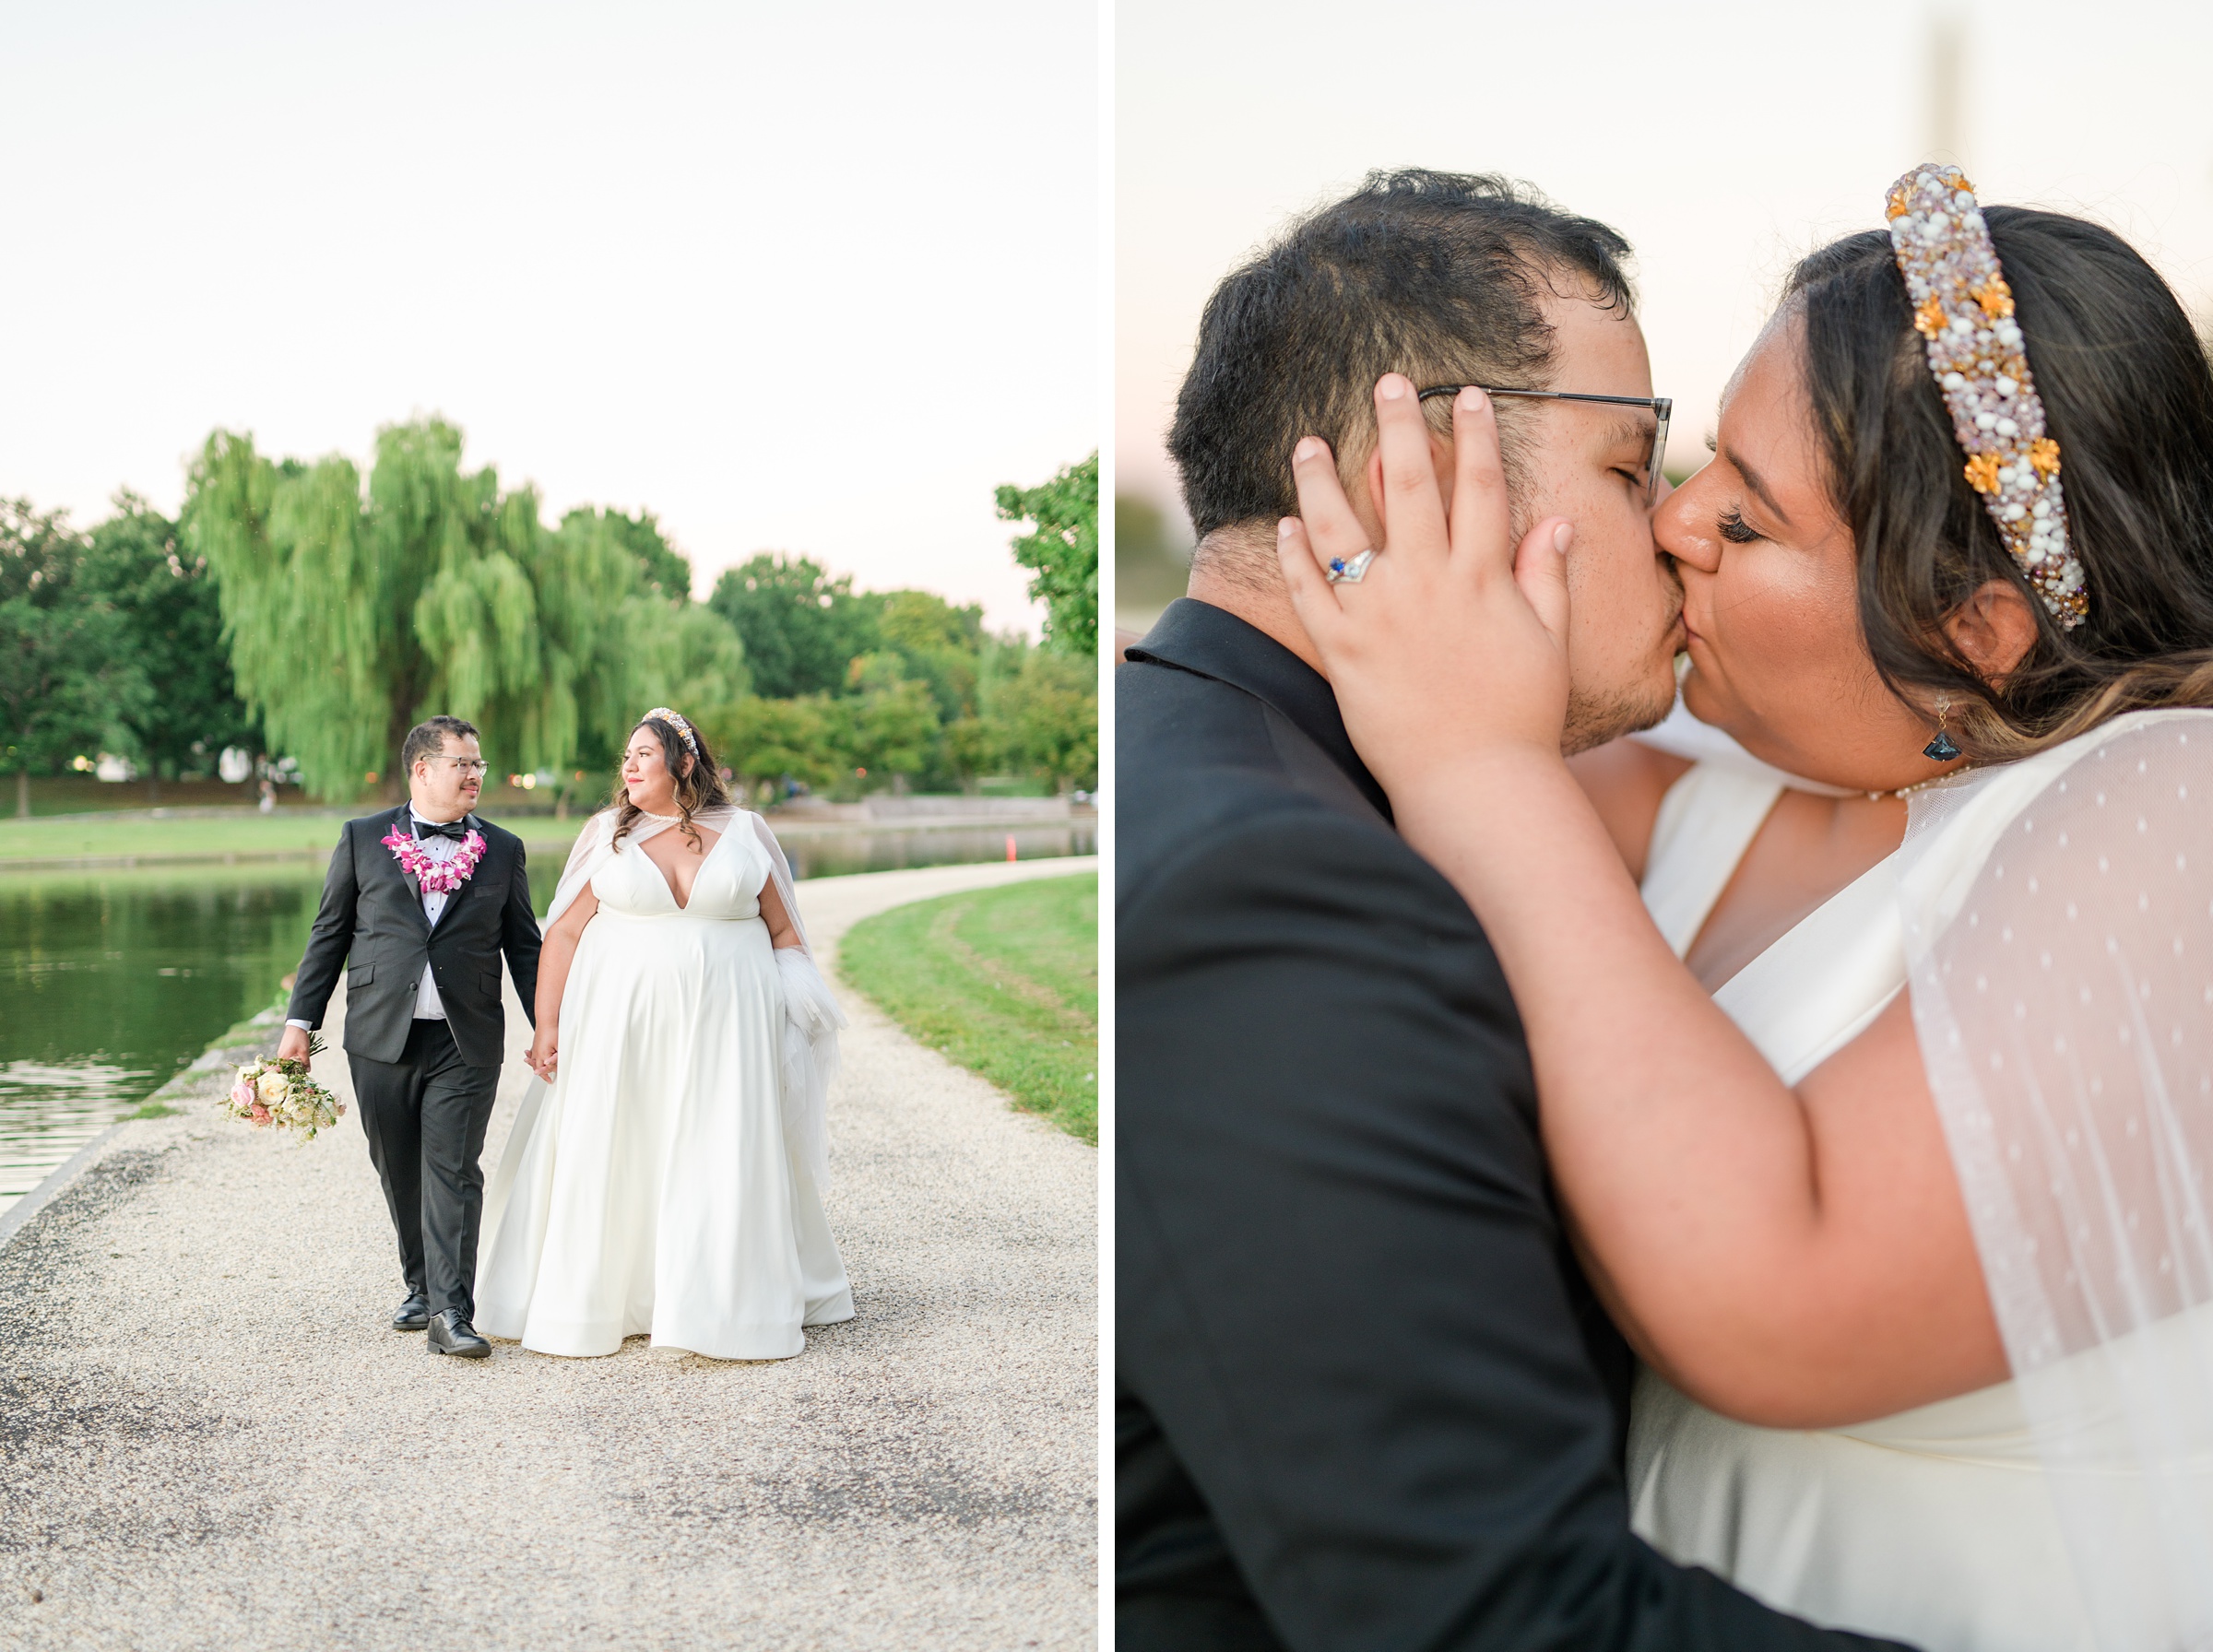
1732 527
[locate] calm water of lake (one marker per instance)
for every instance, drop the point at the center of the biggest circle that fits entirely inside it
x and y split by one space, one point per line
111 983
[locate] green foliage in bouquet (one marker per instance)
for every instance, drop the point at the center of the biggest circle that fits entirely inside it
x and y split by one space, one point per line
283 1093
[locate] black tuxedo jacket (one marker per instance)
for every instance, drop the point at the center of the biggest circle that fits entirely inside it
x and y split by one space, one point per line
370 925
1365 1397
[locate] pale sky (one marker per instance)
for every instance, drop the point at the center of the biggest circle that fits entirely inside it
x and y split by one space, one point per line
808 279
1724 139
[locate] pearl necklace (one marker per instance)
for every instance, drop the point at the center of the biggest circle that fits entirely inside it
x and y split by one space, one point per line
1906 791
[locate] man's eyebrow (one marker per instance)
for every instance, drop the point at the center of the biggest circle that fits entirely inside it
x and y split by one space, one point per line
1629 428
1752 481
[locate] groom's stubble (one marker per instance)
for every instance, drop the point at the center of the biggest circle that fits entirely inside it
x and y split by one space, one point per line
1625 600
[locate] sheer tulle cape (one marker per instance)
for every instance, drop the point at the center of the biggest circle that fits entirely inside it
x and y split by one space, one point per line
811 1015
2058 918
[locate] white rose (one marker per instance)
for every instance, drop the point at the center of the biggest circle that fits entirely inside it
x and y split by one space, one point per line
272 1085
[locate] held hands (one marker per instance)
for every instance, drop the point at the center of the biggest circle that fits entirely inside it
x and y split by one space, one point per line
1454 645
294 1046
544 1055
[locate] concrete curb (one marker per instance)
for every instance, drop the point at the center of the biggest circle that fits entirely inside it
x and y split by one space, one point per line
57 1181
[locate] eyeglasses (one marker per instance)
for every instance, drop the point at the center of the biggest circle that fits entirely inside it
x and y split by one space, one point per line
1661 405
467 765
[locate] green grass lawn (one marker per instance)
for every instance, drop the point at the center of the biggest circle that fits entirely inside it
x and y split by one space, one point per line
246 835
1004 981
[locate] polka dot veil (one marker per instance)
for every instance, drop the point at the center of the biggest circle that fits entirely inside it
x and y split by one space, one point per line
2058 917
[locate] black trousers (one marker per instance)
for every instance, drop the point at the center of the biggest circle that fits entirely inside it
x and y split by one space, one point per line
424 1115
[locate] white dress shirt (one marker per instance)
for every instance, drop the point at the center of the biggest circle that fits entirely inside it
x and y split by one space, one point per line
440 849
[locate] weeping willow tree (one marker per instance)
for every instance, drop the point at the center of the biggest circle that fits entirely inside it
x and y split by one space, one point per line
351 617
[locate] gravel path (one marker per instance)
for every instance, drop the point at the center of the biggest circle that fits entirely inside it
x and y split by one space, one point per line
210 1440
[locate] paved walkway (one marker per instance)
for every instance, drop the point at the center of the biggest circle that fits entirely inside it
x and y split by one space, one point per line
208 1440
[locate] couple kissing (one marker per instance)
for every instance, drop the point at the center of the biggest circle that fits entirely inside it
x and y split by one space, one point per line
1666 1075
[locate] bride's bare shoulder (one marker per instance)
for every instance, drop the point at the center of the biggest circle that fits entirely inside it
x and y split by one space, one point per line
1625 780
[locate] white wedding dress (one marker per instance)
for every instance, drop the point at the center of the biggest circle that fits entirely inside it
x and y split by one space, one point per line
2071 1507
668 1181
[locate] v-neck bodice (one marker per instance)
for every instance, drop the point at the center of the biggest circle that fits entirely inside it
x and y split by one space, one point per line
1814 989
726 887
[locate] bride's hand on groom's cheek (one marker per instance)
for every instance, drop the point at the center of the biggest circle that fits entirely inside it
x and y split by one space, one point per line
1455 641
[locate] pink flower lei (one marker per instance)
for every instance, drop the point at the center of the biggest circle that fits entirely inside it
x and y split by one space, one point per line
437 878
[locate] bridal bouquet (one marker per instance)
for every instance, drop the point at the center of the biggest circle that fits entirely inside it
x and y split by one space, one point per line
269 1091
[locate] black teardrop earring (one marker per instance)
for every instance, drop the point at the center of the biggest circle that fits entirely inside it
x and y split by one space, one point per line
1941 749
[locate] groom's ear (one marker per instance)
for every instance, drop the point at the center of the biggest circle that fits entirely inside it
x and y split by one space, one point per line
1366 494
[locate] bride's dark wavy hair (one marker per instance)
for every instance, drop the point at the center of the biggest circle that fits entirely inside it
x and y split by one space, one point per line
2128 393
702 788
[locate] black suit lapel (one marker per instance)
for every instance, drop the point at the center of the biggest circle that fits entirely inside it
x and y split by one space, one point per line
403 823
1210 641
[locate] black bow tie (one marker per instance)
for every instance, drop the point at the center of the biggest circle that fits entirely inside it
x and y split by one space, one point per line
456 830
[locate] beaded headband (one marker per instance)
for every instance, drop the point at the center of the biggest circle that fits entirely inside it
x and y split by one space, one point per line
675 720
1963 308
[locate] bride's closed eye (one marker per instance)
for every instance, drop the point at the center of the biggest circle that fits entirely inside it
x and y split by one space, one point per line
1733 528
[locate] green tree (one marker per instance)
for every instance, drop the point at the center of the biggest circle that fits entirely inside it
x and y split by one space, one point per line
66 680
768 741
351 618
891 729
937 644
170 622
973 749
693 658
1063 550
666 569
1047 715
921 693
801 628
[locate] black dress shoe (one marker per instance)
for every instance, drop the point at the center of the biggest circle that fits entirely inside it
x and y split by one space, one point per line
452 1333
414 1313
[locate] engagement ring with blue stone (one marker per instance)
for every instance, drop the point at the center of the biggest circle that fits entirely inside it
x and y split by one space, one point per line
1350 571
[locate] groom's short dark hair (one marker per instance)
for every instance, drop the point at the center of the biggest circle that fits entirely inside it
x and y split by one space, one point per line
1438 275
427 738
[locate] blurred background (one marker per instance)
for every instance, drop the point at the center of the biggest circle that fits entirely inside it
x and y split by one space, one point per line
1725 140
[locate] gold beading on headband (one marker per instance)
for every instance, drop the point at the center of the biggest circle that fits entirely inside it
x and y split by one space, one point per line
1964 309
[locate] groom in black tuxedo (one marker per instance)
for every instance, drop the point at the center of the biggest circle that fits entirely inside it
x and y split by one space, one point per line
1365 1397
425 1033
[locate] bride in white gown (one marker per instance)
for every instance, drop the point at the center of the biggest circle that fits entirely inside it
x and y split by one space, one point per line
665 1173
1881 1099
